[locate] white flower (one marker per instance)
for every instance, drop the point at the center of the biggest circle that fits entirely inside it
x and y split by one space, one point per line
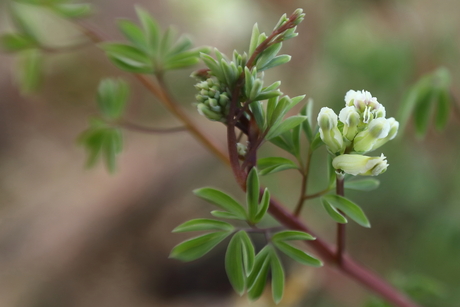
330 134
361 100
360 165
350 119
365 140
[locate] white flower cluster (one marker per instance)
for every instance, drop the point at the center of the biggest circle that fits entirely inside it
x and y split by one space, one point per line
360 127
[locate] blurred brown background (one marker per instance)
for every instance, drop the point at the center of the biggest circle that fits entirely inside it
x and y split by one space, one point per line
76 237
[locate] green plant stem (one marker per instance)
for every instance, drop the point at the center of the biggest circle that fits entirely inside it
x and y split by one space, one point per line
317 194
348 267
139 128
341 228
303 189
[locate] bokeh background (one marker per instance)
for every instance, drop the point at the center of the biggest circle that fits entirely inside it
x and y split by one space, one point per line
70 236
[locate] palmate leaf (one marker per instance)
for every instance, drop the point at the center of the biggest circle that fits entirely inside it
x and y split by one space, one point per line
128 58
101 141
197 247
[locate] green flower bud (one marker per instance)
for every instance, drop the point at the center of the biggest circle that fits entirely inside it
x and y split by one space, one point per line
365 140
213 100
360 165
242 149
394 126
330 134
204 110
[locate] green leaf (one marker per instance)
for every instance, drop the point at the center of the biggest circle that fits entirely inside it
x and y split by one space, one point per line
276 61
221 200
331 171
274 164
351 209
215 68
267 55
21 14
286 125
295 136
197 247
443 109
367 184
258 112
13 42
134 34
334 213
227 215
277 277
258 277
179 64
151 29
128 58
422 112
317 142
234 265
183 44
254 39
167 41
112 97
290 235
248 252
307 111
281 143
297 254
73 10
203 224
264 204
252 194
111 147
30 70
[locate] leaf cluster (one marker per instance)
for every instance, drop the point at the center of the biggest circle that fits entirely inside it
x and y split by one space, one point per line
150 51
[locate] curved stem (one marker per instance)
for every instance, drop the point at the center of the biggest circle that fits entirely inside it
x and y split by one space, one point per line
303 191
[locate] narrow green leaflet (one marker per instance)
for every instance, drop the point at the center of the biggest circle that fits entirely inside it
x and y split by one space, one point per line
252 194
13 42
203 224
221 200
254 39
334 213
276 61
73 10
286 125
307 125
422 111
111 97
227 215
290 235
258 277
351 209
134 34
443 109
283 144
30 70
151 30
366 184
297 254
277 277
331 172
248 252
128 58
197 247
264 204
317 142
272 165
234 265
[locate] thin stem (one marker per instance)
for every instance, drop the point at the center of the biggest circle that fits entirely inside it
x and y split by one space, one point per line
341 228
317 194
303 189
139 128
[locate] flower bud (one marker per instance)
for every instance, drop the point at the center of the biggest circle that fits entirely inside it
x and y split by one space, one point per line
360 165
394 126
350 119
330 134
365 140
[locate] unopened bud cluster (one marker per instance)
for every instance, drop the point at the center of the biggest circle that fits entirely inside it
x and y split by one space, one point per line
212 100
360 127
